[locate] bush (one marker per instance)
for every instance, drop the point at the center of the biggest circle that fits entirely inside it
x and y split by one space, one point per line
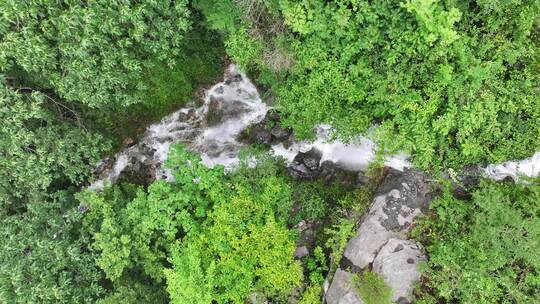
44 256
209 236
93 52
452 82
486 250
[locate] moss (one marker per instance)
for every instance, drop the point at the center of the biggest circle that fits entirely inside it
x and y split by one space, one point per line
372 288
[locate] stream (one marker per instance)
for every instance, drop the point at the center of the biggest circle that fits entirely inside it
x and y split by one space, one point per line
230 107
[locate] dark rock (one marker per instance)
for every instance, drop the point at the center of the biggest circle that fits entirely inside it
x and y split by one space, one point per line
259 135
362 179
346 264
139 172
280 134
104 166
311 159
273 116
470 176
402 300
305 166
467 179
232 77
219 111
128 142
329 171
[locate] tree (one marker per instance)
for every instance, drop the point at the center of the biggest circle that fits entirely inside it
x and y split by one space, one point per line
44 256
35 143
93 52
452 82
213 237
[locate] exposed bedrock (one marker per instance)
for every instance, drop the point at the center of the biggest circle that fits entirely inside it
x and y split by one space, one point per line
381 243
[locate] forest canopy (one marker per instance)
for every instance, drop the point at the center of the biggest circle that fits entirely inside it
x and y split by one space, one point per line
452 82
455 84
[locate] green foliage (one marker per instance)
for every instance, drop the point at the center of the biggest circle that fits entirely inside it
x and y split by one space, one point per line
316 266
35 138
135 288
253 33
166 88
338 236
372 288
93 52
312 295
486 250
452 82
243 247
312 199
43 254
213 237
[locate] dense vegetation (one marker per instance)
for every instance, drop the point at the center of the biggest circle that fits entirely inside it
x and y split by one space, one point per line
485 250
209 237
452 82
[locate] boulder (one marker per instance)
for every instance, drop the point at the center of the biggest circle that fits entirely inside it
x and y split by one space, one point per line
128 142
342 290
305 166
301 252
280 134
400 199
260 135
218 110
397 263
381 243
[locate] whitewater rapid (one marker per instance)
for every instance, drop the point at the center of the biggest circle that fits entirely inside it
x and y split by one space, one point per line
231 106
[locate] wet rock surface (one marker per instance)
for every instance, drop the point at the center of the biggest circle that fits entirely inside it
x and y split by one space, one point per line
381 244
209 129
268 131
305 166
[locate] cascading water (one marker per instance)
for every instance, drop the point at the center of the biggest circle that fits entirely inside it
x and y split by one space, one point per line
229 108
211 130
353 156
529 167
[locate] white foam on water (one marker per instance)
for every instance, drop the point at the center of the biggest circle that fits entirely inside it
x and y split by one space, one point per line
529 167
355 155
212 129
238 105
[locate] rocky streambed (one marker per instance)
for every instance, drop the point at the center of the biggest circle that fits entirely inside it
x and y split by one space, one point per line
217 131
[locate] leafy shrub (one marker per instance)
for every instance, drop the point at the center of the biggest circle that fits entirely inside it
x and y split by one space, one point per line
35 138
312 295
213 237
486 250
338 237
434 74
452 82
372 288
